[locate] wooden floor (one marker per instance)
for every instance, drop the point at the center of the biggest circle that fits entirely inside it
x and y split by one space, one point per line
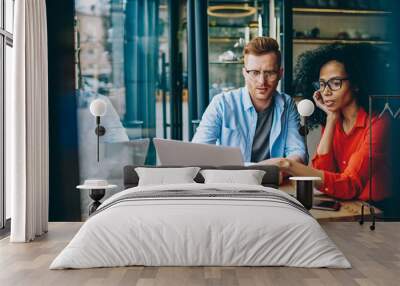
375 256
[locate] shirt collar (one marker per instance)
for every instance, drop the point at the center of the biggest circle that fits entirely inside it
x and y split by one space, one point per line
278 100
246 99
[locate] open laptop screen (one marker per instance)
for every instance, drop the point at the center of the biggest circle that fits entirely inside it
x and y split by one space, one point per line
179 153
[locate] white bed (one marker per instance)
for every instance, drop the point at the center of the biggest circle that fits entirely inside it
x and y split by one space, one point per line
185 230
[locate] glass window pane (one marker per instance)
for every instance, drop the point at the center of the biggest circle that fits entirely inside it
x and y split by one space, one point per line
228 34
9 9
119 51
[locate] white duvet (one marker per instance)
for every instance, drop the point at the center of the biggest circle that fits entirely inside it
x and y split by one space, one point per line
200 231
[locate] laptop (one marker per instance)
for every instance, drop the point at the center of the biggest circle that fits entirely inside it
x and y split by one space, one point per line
179 153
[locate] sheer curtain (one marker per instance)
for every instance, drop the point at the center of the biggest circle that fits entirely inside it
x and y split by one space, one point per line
27 124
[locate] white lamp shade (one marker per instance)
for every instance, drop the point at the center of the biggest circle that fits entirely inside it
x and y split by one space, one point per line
305 107
98 107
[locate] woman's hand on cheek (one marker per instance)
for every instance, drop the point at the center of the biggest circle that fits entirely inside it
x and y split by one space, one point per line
319 102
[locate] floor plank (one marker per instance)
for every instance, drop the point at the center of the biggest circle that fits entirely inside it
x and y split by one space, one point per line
375 257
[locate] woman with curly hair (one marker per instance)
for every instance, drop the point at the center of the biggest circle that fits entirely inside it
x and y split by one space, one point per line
343 76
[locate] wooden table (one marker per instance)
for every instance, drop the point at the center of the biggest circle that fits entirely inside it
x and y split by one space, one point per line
349 211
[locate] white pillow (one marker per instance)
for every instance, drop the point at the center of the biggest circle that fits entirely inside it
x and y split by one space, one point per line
164 176
248 177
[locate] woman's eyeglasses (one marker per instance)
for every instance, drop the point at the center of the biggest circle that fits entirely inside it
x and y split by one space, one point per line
333 84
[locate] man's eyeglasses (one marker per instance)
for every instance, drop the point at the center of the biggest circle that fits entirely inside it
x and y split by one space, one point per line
333 84
267 75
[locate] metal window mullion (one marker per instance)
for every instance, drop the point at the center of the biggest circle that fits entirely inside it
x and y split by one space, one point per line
173 47
265 18
191 59
201 44
3 15
287 45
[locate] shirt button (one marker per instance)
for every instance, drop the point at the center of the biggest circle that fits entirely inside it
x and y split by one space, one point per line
326 189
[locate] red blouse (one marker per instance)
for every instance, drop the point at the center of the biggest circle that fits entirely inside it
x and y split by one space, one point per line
346 167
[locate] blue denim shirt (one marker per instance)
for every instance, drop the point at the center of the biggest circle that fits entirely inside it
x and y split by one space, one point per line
231 119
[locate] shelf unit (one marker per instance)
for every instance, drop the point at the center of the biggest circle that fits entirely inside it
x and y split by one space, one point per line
218 40
331 41
358 26
223 35
227 63
300 10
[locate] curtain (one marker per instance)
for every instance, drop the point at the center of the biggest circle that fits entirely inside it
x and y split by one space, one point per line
27 123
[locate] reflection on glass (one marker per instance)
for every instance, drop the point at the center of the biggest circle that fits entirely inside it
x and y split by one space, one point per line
229 30
120 44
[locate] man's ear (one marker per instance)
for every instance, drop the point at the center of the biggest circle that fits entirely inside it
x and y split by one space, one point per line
244 73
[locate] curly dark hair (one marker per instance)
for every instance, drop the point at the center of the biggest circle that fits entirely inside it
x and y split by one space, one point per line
364 64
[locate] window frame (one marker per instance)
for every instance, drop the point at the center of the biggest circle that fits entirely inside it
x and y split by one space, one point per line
6 39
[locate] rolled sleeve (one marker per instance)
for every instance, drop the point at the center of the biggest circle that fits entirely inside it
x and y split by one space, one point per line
341 185
324 162
349 183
